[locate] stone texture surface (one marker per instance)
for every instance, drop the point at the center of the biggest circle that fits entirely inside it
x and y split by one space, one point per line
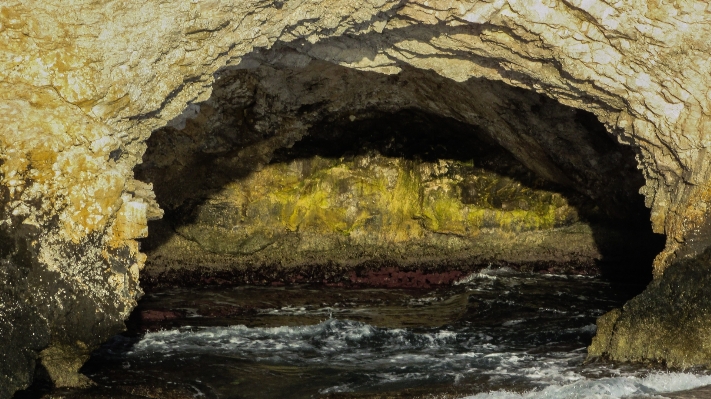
316 212
83 83
666 324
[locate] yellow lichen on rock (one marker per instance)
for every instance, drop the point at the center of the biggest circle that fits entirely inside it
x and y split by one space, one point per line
369 200
46 163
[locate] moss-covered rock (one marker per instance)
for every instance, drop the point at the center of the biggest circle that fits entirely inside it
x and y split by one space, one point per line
394 199
669 323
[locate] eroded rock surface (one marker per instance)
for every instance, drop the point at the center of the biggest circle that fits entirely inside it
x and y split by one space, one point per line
84 83
667 323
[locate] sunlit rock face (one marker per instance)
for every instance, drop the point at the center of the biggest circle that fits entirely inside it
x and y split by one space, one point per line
83 84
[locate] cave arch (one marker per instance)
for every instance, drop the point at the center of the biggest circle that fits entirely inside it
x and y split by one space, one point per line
214 167
81 99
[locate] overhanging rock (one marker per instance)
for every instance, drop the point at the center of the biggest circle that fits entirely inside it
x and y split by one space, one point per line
83 84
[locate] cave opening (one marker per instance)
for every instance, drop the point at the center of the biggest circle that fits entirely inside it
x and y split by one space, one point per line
483 174
310 243
388 187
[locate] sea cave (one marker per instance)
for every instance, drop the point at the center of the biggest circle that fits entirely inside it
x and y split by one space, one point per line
328 199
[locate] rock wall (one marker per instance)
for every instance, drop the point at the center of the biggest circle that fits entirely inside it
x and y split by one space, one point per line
83 84
666 325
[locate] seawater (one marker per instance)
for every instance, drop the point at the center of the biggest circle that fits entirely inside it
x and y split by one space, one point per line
496 334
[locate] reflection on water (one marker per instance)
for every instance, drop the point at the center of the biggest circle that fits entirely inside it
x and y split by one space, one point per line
498 334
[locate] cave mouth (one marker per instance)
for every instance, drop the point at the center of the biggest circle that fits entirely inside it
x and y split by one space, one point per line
406 211
419 309
398 197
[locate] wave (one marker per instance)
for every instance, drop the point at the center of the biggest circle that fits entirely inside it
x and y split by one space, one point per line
332 339
651 386
392 356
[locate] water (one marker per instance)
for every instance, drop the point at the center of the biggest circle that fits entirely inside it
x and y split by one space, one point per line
498 334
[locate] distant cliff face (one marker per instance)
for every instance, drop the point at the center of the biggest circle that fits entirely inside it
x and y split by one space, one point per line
83 84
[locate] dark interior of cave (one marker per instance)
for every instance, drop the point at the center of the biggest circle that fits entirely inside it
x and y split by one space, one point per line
418 135
413 134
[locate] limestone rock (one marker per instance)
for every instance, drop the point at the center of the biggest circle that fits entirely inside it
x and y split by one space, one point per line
83 84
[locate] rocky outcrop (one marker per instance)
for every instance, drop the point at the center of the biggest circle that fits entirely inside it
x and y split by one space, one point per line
83 84
319 211
666 324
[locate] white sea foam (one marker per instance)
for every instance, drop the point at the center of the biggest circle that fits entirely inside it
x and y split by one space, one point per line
336 389
387 356
329 338
588 329
489 272
301 311
650 386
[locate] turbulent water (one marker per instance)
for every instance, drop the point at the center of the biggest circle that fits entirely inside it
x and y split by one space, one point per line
497 334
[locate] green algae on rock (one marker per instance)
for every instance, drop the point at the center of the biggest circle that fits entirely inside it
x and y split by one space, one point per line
369 200
668 323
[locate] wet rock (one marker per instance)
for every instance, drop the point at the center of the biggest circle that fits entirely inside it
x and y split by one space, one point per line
668 323
152 316
391 277
63 363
